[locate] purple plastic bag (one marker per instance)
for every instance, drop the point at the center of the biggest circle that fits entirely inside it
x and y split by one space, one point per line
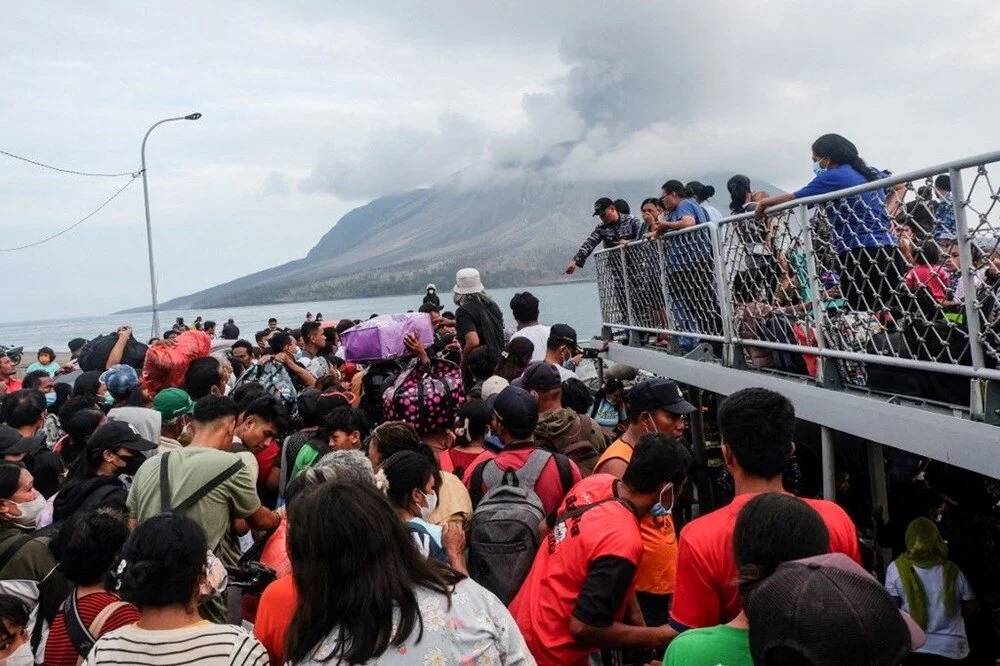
381 338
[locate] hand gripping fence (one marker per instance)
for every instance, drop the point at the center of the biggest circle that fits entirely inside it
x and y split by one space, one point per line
896 278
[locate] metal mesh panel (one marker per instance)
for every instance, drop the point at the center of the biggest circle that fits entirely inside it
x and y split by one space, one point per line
981 203
643 266
691 290
611 286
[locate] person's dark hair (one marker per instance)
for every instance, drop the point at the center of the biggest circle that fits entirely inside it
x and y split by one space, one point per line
474 419
246 344
842 151
524 305
23 407
269 409
651 201
306 403
202 376
657 459
622 207
774 528
576 396
343 419
10 478
62 391
515 358
343 325
170 334
76 344
272 319
739 188
278 342
394 436
13 612
79 418
406 471
46 350
88 544
208 324
943 182
367 592
33 379
260 335
928 254
610 386
214 407
700 192
308 327
164 561
87 384
675 187
482 362
246 393
758 425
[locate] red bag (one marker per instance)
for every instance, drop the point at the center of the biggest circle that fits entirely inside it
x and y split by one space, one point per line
166 364
806 336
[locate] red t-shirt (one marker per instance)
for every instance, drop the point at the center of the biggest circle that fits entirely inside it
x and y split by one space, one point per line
557 587
549 486
274 615
13 384
59 650
706 593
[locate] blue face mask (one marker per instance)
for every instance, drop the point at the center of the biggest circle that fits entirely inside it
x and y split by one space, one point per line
50 398
109 399
817 169
659 510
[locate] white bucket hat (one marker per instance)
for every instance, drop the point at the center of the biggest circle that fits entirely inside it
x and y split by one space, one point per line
467 281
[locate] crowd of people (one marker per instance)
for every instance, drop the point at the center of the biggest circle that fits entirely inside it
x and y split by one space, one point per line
887 264
474 501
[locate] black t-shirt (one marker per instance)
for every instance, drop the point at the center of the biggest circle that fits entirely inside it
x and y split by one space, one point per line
486 320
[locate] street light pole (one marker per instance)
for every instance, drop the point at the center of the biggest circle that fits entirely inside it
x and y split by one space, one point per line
149 229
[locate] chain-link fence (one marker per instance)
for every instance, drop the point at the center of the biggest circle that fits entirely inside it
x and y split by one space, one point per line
896 276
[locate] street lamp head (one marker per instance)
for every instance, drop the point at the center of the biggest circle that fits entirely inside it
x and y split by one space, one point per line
193 116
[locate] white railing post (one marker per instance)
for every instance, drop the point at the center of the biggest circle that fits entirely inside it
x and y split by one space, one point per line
814 290
722 292
965 258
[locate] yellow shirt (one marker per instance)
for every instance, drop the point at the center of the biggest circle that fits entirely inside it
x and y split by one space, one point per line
658 569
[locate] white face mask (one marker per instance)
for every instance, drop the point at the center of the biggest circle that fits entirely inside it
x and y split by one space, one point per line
29 512
432 502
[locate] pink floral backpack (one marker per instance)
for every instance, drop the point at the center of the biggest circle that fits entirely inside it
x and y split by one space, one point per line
426 397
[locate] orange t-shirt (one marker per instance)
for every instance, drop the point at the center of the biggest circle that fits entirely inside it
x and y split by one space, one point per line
706 593
274 616
658 571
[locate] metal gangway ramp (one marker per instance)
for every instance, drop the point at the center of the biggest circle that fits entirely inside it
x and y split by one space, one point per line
818 299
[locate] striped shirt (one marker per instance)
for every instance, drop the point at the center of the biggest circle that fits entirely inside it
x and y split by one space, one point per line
202 644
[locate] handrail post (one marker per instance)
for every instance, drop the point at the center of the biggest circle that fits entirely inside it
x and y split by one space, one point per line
822 371
662 259
965 257
722 294
632 335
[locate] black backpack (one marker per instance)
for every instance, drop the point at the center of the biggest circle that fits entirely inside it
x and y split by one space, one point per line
94 354
379 376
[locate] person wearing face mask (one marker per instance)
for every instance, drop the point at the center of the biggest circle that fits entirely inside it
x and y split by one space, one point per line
175 407
654 406
114 451
561 347
27 565
413 491
577 597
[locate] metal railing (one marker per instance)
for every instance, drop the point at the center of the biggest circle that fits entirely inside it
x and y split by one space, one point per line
893 273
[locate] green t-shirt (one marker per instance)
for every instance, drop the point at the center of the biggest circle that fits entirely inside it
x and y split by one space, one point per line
306 458
711 646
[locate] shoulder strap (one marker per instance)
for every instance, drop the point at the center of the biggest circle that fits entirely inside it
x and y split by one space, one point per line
81 638
476 483
575 512
212 484
565 471
13 546
527 475
164 484
490 474
97 626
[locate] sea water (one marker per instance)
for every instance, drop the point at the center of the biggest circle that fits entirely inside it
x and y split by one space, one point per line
573 303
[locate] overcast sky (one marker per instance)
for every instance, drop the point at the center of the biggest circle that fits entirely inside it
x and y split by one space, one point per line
312 108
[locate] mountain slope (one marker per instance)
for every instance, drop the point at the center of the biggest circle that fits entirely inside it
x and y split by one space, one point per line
517 233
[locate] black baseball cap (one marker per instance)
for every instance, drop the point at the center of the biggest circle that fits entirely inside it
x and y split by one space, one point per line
118 435
13 442
657 393
539 376
827 610
601 205
76 344
565 334
516 409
